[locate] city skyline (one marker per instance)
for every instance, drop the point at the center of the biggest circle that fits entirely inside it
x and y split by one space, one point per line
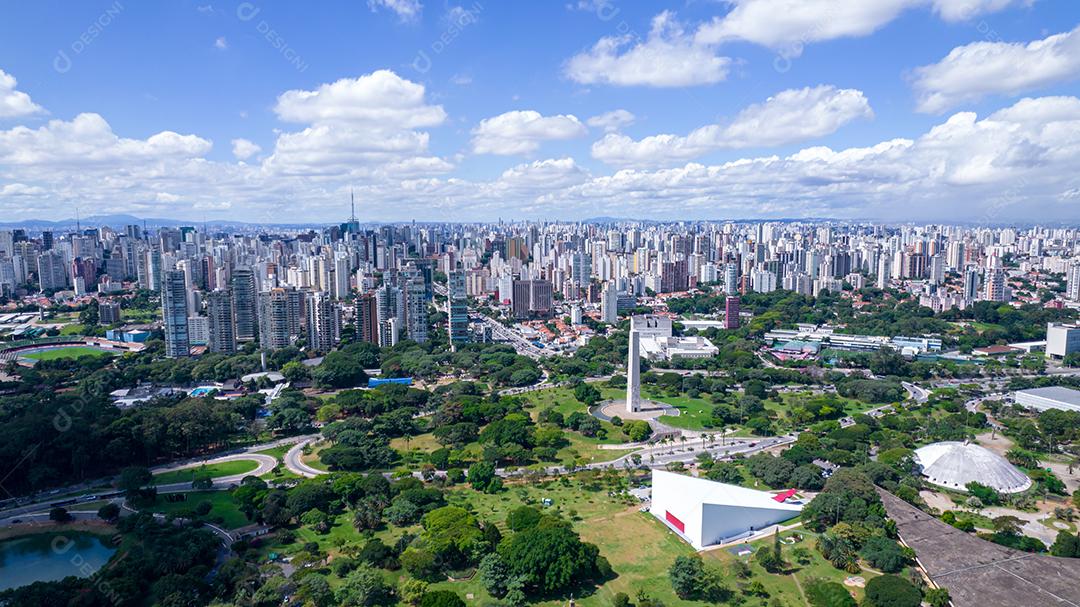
472 112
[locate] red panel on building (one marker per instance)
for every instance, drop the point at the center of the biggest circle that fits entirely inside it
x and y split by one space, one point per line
785 496
675 521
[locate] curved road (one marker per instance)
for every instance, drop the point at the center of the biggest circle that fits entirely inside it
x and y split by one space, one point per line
293 462
266 463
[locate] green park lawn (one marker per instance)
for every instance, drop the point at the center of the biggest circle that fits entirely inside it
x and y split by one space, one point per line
223 508
276 452
213 470
65 353
639 548
311 458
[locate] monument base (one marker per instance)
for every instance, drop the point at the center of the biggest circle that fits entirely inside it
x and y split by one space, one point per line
649 410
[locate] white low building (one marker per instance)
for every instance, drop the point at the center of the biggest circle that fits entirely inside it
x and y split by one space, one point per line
666 348
706 513
1053 397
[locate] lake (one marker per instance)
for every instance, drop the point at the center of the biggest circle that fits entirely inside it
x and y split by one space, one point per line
47 557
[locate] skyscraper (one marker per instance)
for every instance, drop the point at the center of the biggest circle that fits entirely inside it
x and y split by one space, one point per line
219 307
174 309
459 307
279 318
731 312
971 284
884 270
323 322
52 271
367 318
244 303
581 269
609 304
390 304
1072 282
731 279
416 313
995 285
341 276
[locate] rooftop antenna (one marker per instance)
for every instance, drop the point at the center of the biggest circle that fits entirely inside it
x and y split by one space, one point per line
78 226
352 206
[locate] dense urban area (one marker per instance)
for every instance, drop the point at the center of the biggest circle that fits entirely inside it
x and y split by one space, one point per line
600 413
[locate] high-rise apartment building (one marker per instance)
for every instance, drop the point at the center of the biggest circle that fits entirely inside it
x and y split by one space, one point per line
52 271
416 309
391 313
108 313
280 311
609 304
1072 282
245 303
971 284
995 285
323 322
367 318
731 312
458 306
219 309
174 310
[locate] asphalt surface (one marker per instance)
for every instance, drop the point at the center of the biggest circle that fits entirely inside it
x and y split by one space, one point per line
266 463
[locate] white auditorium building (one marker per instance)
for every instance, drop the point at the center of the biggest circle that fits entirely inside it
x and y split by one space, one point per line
706 513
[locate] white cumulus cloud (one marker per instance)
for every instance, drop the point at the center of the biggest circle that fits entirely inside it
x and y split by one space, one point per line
13 103
522 131
611 121
379 98
971 72
788 25
244 149
88 140
668 57
790 116
354 122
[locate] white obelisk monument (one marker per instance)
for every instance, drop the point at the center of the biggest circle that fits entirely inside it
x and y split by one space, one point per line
633 372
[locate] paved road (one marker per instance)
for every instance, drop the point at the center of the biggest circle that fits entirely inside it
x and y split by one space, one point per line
656 456
295 465
43 502
266 464
920 394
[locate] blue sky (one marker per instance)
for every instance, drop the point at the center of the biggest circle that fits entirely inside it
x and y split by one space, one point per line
896 109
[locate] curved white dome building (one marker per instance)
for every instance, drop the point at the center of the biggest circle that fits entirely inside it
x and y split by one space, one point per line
953 465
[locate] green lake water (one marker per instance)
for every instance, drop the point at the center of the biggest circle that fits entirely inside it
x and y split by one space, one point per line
51 556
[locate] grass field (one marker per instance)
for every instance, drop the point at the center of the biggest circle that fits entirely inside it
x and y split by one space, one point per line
563 401
214 470
312 457
69 352
223 510
639 548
